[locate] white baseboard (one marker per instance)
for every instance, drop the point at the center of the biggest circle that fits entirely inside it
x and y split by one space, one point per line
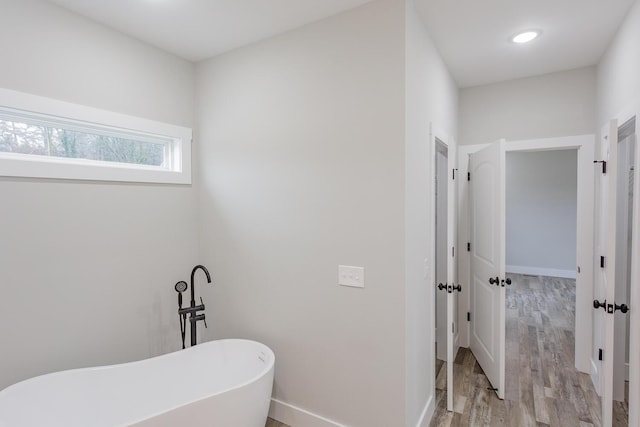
298 417
594 376
539 271
427 412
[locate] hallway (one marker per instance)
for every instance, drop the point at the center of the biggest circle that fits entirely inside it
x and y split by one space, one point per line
542 386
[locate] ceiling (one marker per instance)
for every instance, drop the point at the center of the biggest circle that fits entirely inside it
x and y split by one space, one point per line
472 35
199 29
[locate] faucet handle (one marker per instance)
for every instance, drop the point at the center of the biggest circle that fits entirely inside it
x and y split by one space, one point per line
204 319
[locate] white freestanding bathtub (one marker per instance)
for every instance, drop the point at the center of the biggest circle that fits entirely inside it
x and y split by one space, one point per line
224 383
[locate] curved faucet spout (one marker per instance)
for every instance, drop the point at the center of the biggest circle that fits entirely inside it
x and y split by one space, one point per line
193 272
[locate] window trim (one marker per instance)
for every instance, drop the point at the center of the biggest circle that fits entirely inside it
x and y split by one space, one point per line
35 166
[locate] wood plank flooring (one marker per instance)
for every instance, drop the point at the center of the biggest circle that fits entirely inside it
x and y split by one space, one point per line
542 386
273 423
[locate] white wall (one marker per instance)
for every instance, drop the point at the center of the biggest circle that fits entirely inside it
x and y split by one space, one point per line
541 212
618 83
302 163
87 269
552 105
431 97
315 154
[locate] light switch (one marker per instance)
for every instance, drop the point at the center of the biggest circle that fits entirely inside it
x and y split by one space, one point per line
351 276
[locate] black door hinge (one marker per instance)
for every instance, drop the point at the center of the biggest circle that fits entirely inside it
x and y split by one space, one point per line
468 176
453 251
599 354
468 316
601 262
468 246
604 165
453 173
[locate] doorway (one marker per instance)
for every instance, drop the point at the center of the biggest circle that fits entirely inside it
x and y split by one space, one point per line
583 265
541 247
478 398
443 213
586 268
441 223
441 227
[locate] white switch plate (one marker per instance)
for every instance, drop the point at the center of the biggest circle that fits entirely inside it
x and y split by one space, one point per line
351 276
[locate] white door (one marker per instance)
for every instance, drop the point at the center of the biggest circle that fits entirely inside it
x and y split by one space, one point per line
487 204
453 288
441 259
604 274
625 189
634 299
445 257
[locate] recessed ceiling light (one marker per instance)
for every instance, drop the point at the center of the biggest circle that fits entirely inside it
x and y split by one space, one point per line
525 37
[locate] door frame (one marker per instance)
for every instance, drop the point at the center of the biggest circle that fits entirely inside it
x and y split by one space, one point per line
623 259
440 276
604 278
634 297
584 144
437 135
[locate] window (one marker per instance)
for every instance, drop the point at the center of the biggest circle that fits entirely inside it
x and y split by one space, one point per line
45 138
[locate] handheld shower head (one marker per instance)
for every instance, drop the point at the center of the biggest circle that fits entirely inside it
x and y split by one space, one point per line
180 287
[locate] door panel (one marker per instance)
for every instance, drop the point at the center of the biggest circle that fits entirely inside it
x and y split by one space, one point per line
483 325
452 277
634 299
625 176
599 290
604 276
487 193
445 257
441 258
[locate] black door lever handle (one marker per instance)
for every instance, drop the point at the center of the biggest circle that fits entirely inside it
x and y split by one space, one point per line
624 308
441 286
494 281
597 304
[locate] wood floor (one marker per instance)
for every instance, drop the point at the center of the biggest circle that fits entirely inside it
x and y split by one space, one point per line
274 423
542 386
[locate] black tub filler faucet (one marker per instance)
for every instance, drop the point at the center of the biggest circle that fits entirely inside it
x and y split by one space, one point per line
193 309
